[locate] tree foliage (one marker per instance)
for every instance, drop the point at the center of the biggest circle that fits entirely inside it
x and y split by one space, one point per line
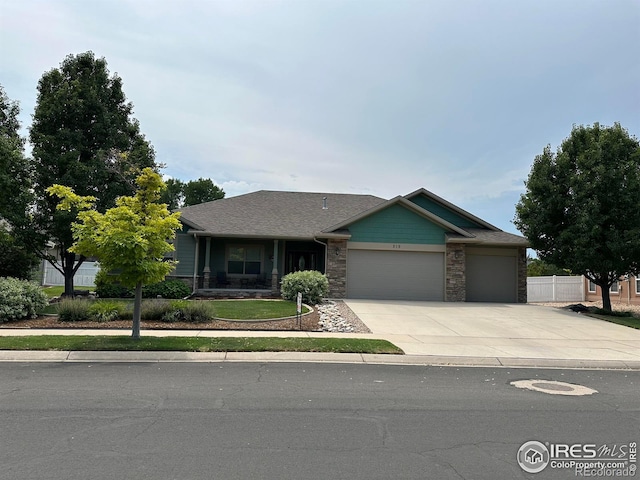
84 137
540 268
180 194
580 209
130 239
16 228
201 191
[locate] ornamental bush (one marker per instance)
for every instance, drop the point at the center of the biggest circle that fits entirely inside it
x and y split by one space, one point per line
74 310
167 289
107 287
107 310
313 285
20 299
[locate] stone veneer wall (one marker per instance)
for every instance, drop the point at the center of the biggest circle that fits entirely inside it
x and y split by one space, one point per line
456 279
337 268
522 275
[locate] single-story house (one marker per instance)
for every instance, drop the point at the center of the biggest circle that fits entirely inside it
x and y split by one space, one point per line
625 291
414 247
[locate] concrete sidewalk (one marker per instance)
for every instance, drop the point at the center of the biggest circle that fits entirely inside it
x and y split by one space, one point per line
499 346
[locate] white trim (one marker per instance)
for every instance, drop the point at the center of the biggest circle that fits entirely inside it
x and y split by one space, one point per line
595 287
637 285
398 247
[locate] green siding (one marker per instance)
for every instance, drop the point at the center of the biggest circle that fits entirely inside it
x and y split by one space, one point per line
185 254
444 213
397 224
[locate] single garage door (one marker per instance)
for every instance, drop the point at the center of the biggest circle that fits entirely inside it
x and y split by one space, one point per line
491 278
393 275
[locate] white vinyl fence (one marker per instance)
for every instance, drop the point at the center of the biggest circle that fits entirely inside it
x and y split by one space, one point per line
84 277
555 289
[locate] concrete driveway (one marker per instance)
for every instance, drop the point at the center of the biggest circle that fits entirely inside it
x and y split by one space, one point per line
508 331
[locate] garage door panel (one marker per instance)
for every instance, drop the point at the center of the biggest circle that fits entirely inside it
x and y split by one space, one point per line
395 275
491 278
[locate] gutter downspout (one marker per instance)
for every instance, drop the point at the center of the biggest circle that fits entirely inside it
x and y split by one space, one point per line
326 253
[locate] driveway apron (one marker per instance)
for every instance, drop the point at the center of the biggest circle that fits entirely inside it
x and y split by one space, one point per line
497 330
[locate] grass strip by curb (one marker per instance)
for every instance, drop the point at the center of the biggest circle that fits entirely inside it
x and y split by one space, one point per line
198 344
632 322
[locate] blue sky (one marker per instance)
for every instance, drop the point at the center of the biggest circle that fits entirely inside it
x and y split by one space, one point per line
365 96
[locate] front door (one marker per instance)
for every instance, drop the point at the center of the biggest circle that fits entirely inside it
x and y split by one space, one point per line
301 260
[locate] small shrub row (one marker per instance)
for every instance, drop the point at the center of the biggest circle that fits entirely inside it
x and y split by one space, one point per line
20 299
313 285
81 310
106 287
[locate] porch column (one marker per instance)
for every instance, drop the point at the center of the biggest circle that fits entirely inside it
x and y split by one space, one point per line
195 264
207 269
274 272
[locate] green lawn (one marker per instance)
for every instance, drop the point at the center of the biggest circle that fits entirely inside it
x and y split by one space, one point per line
58 290
633 322
198 344
254 309
228 309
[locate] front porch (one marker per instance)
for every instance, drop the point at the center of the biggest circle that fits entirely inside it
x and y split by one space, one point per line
236 293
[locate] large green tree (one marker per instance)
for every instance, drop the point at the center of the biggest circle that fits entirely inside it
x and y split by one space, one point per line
580 210
130 239
83 136
201 191
179 194
16 257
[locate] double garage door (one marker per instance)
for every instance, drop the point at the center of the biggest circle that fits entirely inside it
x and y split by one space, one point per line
395 275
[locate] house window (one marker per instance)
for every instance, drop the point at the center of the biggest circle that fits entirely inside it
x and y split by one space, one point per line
638 285
614 287
244 260
592 287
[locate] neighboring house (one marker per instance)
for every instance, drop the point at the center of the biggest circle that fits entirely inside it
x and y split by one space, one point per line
625 291
416 247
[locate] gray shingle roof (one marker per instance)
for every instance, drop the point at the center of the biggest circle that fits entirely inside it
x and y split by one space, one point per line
276 214
299 215
490 237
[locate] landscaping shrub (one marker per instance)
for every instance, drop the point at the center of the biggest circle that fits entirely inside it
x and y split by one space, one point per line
167 289
107 311
107 287
195 312
313 285
74 310
155 309
20 299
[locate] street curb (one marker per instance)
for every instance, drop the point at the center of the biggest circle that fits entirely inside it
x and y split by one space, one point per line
307 357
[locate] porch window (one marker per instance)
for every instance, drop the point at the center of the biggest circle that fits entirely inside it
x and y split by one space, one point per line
244 260
592 287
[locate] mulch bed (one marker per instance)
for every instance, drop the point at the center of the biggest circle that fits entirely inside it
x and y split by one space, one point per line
309 324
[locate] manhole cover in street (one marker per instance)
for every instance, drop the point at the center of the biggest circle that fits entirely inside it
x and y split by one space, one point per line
554 388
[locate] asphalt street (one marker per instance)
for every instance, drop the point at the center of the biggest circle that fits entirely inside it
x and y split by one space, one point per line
296 421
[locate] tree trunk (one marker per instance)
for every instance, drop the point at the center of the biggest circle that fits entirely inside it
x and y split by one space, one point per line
68 260
137 308
606 298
